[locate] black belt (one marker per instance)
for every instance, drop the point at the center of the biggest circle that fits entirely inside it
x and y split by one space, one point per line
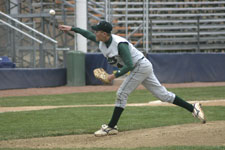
141 58
138 61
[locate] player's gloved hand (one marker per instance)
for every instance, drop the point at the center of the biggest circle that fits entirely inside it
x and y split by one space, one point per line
102 75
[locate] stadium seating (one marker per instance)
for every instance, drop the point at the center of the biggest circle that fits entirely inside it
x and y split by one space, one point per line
173 26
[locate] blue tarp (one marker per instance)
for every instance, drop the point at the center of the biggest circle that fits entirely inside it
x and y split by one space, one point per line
189 67
169 68
31 78
5 62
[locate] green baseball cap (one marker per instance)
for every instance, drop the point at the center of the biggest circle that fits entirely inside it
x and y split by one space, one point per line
103 26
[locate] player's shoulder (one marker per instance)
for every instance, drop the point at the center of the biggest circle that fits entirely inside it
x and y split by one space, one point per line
118 39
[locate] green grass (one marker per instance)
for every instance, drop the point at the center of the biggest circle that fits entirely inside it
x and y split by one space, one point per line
147 148
67 121
139 96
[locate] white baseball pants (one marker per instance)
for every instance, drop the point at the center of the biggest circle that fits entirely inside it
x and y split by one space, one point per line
142 74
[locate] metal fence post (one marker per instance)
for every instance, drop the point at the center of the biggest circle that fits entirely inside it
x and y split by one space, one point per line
198 34
126 18
13 49
150 33
107 11
146 26
55 45
41 55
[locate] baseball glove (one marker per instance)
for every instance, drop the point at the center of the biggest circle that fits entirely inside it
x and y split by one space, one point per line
102 75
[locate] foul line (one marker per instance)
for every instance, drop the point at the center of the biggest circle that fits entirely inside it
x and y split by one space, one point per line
152 103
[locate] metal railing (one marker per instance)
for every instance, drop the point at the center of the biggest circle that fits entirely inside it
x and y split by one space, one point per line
41 41
26 26
171 26
151 26
28 35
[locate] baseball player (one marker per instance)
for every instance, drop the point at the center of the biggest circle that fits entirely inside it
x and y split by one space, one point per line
122 54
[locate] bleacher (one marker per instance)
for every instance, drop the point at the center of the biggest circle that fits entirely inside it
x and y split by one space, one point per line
180 26
173 25
50 46
153 26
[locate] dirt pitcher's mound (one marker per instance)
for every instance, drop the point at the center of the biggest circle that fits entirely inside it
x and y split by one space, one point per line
209 134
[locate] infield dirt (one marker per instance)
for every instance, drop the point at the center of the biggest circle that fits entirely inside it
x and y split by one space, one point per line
209 134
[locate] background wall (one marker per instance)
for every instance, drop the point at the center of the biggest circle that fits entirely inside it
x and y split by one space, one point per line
18 78
189 67
168 67
172 67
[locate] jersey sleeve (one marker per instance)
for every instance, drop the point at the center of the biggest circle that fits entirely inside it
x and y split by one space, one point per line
87 34
124 53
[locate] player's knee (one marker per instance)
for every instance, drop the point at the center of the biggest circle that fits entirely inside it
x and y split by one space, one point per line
167 97
121 99
121 95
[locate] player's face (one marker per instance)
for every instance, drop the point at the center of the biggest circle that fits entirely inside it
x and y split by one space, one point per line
101 36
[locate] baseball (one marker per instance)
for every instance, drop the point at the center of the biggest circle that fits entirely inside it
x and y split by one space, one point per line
52 12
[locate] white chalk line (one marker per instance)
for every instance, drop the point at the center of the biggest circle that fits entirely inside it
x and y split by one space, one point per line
151 103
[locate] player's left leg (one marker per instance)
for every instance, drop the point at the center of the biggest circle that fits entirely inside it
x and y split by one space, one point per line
154 86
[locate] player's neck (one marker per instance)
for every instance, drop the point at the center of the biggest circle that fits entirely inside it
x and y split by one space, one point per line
108 41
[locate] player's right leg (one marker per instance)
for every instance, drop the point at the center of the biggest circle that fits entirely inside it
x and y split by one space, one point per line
153 85
198 112
134 79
